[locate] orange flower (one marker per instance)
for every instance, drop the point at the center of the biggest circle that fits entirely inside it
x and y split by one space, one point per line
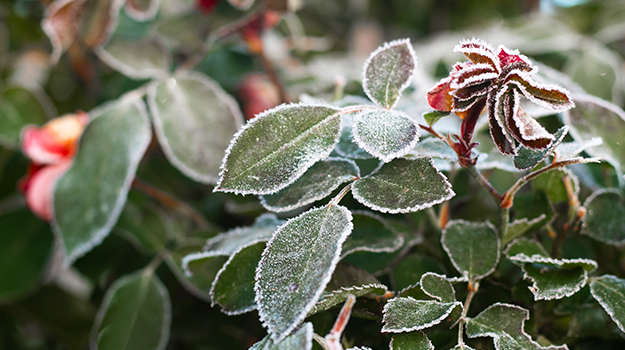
51 149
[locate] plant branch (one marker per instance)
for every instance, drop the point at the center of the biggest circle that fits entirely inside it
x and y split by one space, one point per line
341 194
473 288
273 76
484 182
433 132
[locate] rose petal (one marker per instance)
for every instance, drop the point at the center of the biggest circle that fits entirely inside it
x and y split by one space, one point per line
524 128
507 57
55 141
498 126
40 189
551 97
479 52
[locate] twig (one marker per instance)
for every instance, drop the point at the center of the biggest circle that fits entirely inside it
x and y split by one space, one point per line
273 76
433 132
341 194
484 182
473 287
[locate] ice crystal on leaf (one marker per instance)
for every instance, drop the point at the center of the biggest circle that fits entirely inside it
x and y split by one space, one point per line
495 80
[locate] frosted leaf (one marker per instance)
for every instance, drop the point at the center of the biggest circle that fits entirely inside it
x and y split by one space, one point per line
411 341
525 129
478 51
138 59
339 296
296 266
527 158
551 97
318 182
593 117
586 264
434 116
347 147
570 150
142 10
521 226
435 148
90 196
198 274
61 23
300 339
549 282
552 184
372 234
388 71
527 247
605 217
472 247
231 241
385 134
233 288
505 323
194 120
609 291
437 287
407 314
402 186
274 149
347 275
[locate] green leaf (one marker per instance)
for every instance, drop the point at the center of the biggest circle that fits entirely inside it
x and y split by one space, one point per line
385 134
587 264
407 314
18 108
347 276
137 59
434 116
435 148
609 291
25 248
277 147
194 120
593 117
296 266
505 323
570 150
527 247
528 158
437 287
182 32
339 296
552 184
231 241
317 183
472 247
519 227
299 339
402 186
347 147
410 268
372 234
145 226
411 341
135 314
551 282
90 196
233 288
388 71
605 217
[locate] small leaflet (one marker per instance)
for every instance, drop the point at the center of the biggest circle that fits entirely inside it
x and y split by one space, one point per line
385 134
195 275
137 59
388 71
527 247
194 119
609 291
233 288
99 21
472 247
90 196
435 148
296 266
317 183
411 341
434 116
551 282
605 217
402 186
407 314
527 158
300 339
570 150
277 147
339 296
437 287
135 314
372 234
505 324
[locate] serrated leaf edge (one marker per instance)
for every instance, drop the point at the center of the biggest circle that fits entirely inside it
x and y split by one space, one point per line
428 293
335 259
450 194
385 47
558 294
537 259
603 304
452 306
160 132
473 224
552 147
430 345
249 124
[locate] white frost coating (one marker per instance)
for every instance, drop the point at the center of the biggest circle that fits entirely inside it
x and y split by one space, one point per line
386 329
529 128
110 293
50 30
484 50
142 16
473 79
361 199
380 133
232 240
316 196
386 46
472 224
137 73
277 337
553 294
444 277
398 243
344 290
246 126
606 303
589 265
515 52
552 106
197 256
160 133
498 99
98 236
430 346
570 150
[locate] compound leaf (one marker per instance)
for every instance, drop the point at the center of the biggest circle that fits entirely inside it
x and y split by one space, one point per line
472 247
296 266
